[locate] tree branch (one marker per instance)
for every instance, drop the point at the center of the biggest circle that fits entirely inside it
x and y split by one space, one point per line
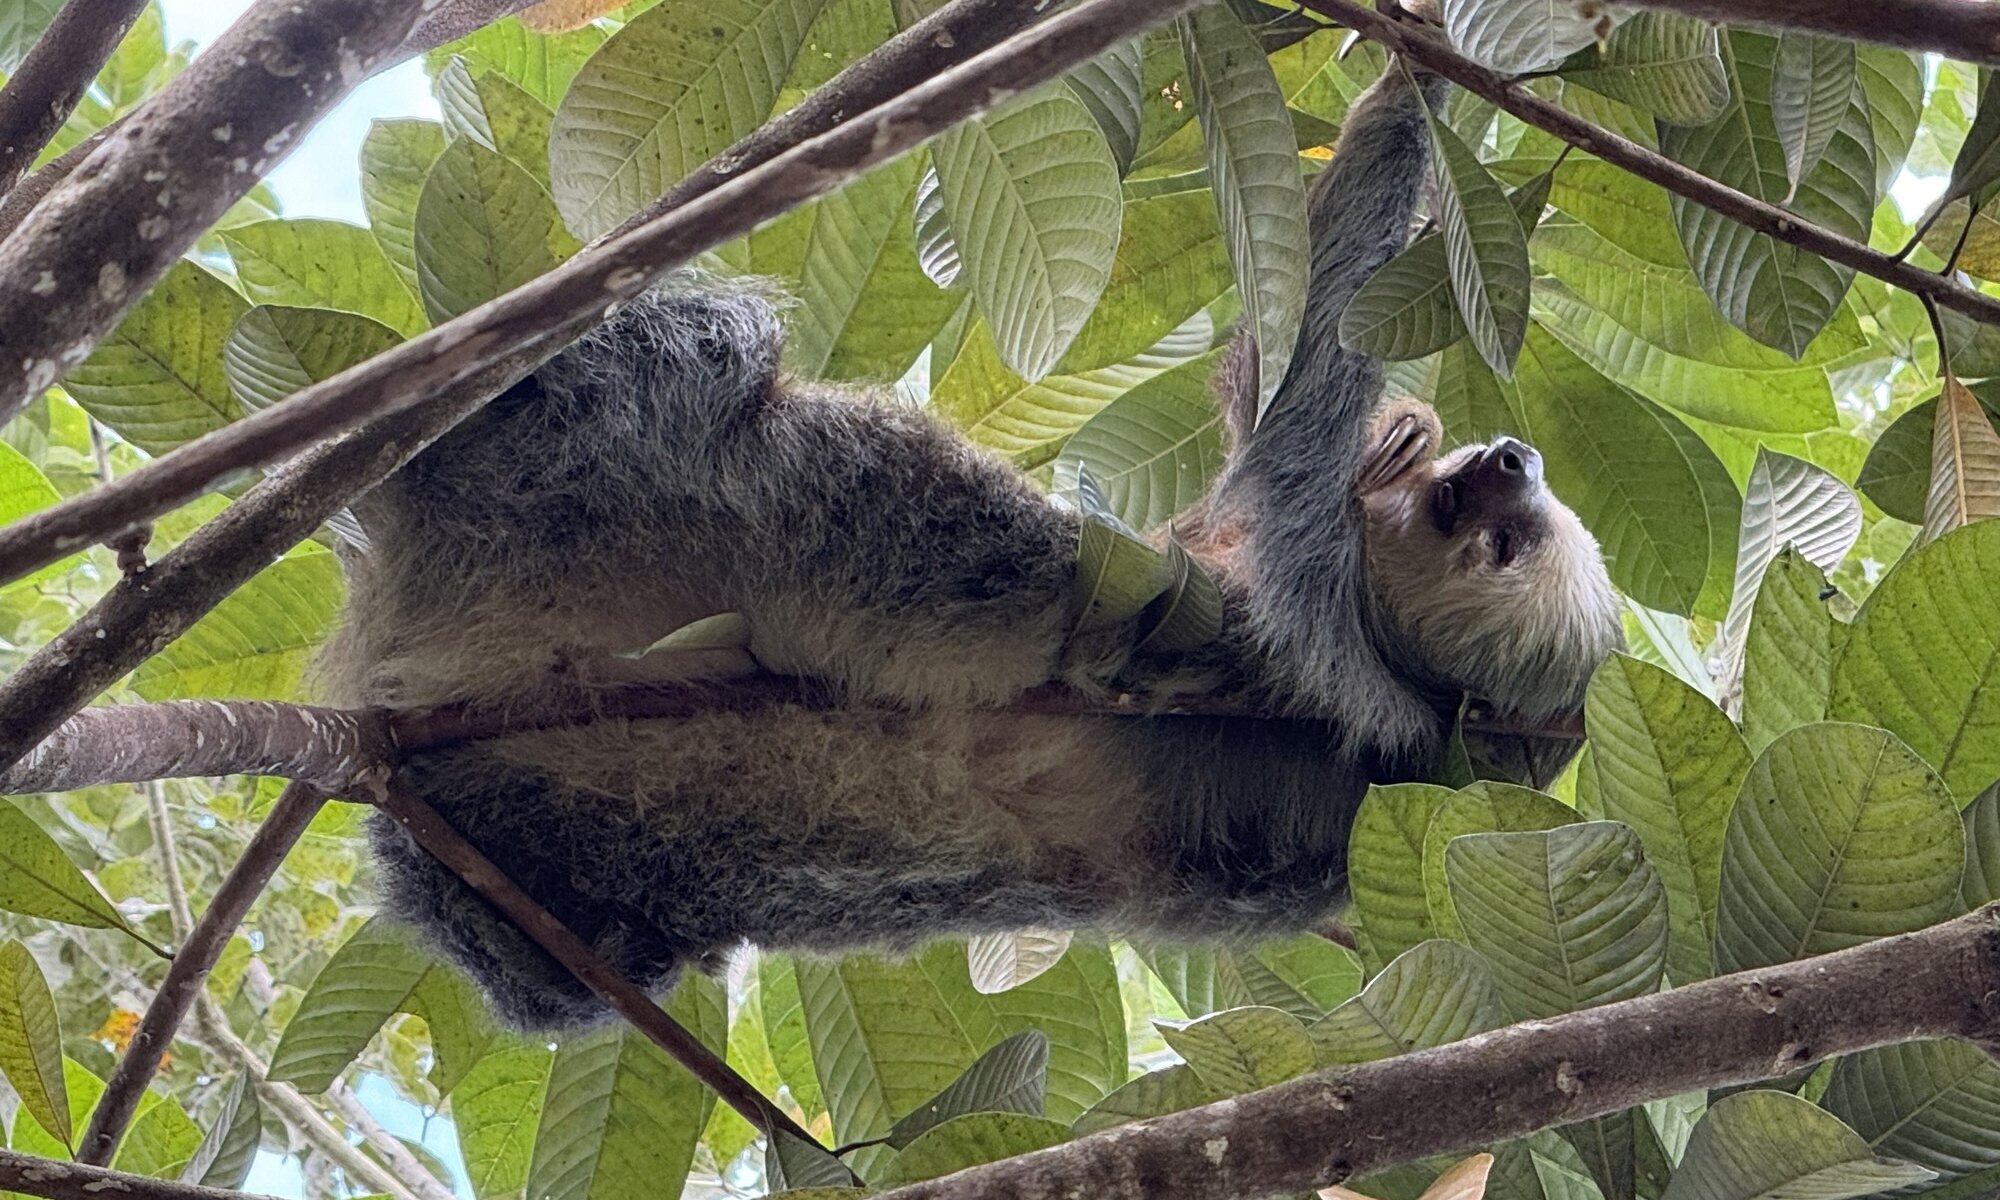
179 739
430 831
1654 167
32 1176
1962 29
58 70
192 962
576 293
92 247
1332 1125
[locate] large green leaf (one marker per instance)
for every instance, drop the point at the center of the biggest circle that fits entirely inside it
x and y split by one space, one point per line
1777 293
20 25
1935 1104
1485 807
1893 82
1032 195
395 158
542 63
37 880
970 1140
1788 652
1981 818
785 1031
1668 764
1154 1094
1839 835
1153 450
1000 961
621 1118
1172 262
495 1110
1011 1077
676 86
1253 169
157 379
1516 37
1242 1049
1305 975
229 1149
484 226
1568 918
257 643
1897 474
31 1041
322 264
275 350
1385 868
1923 654
1484 247
1769 1145
498 114
1615 461
1112 87
1434 993
1660 62
1813 82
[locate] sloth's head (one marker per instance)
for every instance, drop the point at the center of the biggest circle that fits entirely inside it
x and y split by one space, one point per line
1495 584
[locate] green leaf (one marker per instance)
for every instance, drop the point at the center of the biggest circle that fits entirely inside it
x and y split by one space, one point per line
495 1110
1965 463
1172 262
484 226
860 262
1977 166
785 1031
1484 807
1923 653
970 1140
796 1166
157 379
1517 38
257 643
31 1039
1188 614
621 1118
1011 1077
998 962
1981 818
1242 1049
161 1142
20 26
1435 993
1839 835
1892 80
1568 918
1897 474
1788 503
1812 83
542 63
1032 196
379 971
1668 764
1112 87
1304 975
1616 462
1777 293
1662 63
1484 247
24 489
37 881
1154 1094
229 1148
937 249
498 114
274 350
322 264
1788 652
1253 168
1117 573
1385 868
395 158
1469 399
676 86
1934 1103
1153 450
1768 1145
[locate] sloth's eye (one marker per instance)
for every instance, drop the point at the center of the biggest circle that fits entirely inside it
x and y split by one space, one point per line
1504 546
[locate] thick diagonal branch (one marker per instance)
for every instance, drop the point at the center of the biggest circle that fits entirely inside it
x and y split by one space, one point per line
1962 29
1332 1125
1655 167
43 92
32 1176
179 739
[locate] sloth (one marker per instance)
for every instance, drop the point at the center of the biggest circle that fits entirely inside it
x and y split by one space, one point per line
664 469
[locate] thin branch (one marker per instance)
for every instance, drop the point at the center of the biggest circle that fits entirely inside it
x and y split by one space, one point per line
288 818
430 831
614 269
1962 29
1333 1125
1654 167
403 1165
179 739
22 198
32 1176
57 71
159 818
95 244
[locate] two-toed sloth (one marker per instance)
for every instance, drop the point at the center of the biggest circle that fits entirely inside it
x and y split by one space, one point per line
664 469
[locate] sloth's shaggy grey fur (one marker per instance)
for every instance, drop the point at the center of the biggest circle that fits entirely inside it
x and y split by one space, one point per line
663 470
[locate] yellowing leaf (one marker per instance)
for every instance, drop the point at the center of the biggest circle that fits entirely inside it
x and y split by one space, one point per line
1965 463
561 16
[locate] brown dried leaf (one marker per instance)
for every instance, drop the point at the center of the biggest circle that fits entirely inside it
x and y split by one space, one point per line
561 16
1466 1180
1965 463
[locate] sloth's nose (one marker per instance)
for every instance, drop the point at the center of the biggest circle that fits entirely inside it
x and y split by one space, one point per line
1514 459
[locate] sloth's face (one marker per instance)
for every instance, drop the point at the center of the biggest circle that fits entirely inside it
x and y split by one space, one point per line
1496 583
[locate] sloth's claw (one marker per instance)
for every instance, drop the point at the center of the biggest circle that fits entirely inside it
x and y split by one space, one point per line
1402 444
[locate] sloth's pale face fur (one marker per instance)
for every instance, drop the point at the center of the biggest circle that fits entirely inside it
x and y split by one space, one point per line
1494 582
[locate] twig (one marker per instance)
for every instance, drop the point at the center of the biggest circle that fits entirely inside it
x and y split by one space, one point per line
22 198
1656 168
615 269
57 71
1962 29
1332 1125
178 739
32 1176
92 247
430 830
282 826
180 912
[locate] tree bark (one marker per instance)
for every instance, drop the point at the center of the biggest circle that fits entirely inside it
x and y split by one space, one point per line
43 92
180 739
1962 29
32 1176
